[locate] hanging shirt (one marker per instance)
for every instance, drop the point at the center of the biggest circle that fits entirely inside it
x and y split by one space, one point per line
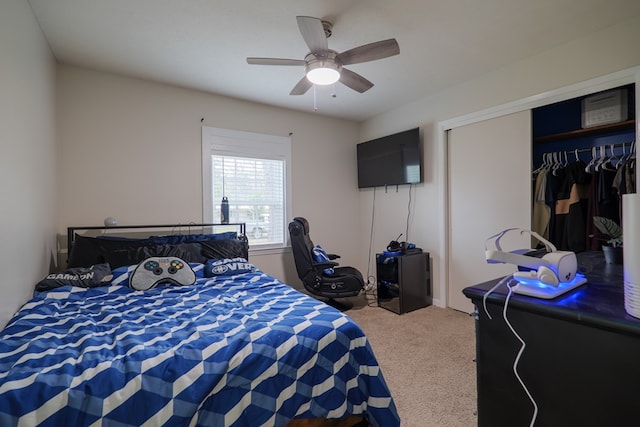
571 208
541 211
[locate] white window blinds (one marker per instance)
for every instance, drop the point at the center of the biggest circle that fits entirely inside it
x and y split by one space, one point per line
252 171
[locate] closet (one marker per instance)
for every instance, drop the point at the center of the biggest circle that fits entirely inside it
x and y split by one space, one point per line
490 159
583 154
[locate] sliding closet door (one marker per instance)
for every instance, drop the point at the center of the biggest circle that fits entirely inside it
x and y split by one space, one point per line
489 175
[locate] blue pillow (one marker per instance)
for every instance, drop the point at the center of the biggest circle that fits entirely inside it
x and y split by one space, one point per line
320 255
227 267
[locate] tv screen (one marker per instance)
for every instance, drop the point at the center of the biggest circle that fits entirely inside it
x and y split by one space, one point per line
390 160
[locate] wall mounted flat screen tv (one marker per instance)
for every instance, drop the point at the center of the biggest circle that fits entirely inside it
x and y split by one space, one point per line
390 160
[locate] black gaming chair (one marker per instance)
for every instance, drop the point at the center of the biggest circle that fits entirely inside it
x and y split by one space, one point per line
344 282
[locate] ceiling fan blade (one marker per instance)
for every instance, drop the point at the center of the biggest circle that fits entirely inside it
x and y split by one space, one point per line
355 81
369 52
312 33
301 87
274 61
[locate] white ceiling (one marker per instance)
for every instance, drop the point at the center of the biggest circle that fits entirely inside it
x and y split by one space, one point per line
203 44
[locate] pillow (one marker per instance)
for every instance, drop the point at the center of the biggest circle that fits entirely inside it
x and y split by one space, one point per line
87 251
155 270
121 275
222 249
82 277
189 252
227 267
172 239
185 238
83 252
319 255
120 252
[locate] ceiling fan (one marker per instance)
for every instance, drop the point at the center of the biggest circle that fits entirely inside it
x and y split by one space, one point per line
324 66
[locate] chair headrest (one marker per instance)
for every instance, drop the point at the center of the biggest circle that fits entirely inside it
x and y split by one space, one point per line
302 222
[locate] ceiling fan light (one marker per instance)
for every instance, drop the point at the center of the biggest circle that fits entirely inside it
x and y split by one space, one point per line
323 70
323 76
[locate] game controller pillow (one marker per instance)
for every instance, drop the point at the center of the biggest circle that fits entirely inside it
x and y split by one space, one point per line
122 275
227 267
155 270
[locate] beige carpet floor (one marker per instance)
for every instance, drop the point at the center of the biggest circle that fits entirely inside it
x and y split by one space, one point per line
426 357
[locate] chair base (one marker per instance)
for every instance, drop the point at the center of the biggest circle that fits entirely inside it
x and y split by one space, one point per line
342 306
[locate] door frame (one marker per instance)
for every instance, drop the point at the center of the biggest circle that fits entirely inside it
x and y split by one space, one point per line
609 81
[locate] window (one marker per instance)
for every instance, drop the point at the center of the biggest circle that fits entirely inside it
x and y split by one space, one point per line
253 171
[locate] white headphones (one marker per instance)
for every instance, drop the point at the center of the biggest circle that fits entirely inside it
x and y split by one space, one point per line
553 268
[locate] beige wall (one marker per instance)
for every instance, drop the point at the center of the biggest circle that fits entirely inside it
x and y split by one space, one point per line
27 163
132 149
599 54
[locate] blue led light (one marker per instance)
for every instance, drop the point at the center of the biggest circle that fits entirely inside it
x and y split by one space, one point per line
535 288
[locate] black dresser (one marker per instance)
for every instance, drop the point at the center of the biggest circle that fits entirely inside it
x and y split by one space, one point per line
581 363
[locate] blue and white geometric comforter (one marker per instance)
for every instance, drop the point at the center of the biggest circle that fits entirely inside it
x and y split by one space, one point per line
243 350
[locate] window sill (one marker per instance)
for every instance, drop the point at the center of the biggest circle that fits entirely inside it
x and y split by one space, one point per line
268 251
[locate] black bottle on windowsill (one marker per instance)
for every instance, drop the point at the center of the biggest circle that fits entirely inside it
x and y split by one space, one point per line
224 211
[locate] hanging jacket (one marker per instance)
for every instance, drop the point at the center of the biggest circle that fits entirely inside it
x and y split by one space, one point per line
571 208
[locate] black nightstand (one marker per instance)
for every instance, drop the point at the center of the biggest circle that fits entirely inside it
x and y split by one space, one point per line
404 282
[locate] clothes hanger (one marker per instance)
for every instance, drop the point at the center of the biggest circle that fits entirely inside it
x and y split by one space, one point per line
608 163
613 159
622 158
631 154
602 158
591 165
547 162
543 165
560 164
557 163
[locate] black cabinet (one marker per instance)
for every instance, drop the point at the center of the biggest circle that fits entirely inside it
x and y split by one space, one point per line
580 363
404 282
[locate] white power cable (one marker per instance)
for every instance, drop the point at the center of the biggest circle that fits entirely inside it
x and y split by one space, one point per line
515 363
507 280
490 291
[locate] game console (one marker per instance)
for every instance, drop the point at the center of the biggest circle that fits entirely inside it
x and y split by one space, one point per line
155 270
547 277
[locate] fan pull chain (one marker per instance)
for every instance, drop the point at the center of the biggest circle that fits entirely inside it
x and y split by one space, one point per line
315 105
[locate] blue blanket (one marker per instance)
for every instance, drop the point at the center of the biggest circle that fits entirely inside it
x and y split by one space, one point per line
241 350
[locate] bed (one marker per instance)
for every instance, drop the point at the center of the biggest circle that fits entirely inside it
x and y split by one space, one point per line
236 347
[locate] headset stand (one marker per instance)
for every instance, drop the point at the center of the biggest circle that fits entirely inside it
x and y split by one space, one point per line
534 288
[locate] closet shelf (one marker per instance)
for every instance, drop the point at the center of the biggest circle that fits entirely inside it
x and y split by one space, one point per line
612 127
